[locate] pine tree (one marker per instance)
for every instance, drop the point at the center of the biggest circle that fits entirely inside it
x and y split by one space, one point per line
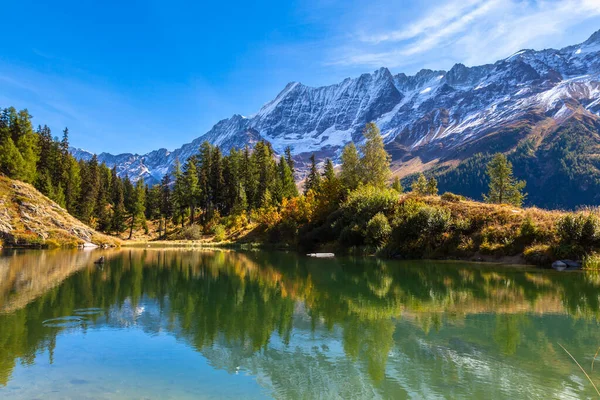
19 148
64 143
138 206
232 179
178 196
264 168
397 186
432 189
90 183
217 182
102 212
289 159
117 223
72 184
330 191
286 176
504 188
27 143
350 174
241 203
419 186
166 208
11 161
191 191
249 177
204 171
313 180
375 162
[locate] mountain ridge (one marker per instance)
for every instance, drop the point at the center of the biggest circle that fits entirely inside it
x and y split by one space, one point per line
429 118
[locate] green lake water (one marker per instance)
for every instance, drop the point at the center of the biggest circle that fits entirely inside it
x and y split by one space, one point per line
190 324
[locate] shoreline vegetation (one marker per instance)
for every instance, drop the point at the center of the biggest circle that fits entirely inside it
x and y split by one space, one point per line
249 198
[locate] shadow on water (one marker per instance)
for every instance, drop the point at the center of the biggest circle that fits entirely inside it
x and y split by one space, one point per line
344 327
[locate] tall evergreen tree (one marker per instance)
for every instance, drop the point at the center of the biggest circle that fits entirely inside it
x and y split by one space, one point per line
265 169
72 184
330 191
289 159
138 206
217 182
90 183
504 188
117 224
249 176
191 192
286 176
178 195
102 211
313 180
166 207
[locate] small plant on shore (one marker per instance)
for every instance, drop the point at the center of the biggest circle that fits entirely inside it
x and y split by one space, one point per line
591 261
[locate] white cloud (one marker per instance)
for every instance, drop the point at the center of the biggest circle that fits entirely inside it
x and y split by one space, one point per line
471 31
434 20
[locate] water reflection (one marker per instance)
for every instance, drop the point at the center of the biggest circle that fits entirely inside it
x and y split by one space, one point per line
306 328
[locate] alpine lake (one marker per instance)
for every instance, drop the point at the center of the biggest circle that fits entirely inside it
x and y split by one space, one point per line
213 324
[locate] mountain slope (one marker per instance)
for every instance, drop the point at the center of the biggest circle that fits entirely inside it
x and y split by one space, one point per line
28 218
434 118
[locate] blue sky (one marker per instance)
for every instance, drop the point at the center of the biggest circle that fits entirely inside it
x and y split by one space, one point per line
133 76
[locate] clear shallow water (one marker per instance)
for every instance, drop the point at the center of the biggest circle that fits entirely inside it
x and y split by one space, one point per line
160 324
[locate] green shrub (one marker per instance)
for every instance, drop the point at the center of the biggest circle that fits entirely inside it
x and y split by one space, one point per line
452 198
579 230
363 203
426 222
219 231
52 244
193 232
351 236
528 228
591 261
538 254
378 230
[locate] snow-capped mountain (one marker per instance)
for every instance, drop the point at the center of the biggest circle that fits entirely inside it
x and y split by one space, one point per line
433 115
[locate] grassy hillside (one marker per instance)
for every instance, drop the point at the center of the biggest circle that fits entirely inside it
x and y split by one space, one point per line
560 163
30 219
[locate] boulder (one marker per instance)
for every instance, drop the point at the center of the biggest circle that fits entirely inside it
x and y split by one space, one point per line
559 265
572 264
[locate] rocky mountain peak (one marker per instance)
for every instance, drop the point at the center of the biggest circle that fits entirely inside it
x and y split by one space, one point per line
594 39
432 114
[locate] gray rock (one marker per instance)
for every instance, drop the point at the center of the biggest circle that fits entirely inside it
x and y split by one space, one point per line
559 265
572 264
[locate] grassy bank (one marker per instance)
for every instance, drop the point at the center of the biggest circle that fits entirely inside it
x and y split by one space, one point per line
29 219
392 225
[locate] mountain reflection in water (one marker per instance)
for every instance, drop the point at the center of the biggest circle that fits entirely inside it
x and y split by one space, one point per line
284 326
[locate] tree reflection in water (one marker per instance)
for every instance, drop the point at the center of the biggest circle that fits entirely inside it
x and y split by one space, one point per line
402 327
